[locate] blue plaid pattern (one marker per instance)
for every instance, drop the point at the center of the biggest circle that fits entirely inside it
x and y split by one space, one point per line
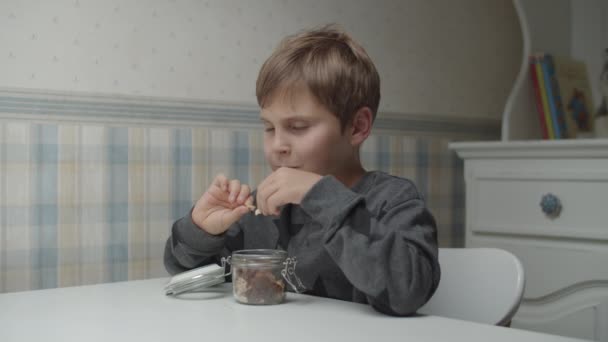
91 203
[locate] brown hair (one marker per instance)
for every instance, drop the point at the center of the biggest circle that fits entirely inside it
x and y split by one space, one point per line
335 68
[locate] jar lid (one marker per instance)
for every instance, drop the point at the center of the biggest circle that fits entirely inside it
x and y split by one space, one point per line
201 277
259 257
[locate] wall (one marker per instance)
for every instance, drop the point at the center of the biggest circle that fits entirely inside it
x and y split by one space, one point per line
85 201
550 23
590 38
115 115
435 57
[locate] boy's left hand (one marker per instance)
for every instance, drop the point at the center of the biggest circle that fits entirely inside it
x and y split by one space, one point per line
285 185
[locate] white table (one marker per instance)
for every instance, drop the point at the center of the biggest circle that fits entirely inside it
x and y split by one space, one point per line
139 311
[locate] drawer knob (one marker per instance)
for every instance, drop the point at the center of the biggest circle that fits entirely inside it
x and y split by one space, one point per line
551 205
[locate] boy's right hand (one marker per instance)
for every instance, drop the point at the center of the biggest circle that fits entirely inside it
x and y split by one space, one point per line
224 203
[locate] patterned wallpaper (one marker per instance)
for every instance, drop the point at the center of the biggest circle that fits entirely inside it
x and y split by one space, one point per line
435 57
89 186
86 203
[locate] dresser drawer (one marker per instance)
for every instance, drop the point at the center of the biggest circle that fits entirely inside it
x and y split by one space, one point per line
507 201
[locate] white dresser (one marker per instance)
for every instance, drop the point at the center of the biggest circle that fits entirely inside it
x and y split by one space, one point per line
563 243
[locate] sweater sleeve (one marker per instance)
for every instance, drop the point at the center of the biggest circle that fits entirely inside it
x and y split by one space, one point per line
389 254
189 246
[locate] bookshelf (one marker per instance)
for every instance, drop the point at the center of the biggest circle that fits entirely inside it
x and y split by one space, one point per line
562 28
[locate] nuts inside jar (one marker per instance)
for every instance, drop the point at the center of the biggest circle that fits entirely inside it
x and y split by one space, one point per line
258 286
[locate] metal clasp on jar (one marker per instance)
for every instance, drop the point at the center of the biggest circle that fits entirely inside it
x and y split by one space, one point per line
289 274
226 261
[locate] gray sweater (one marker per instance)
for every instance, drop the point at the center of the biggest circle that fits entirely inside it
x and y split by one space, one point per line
375 243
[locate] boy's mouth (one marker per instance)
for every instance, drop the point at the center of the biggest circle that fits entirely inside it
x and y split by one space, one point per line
291 167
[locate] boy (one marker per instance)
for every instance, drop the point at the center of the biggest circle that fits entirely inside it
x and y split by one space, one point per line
360 236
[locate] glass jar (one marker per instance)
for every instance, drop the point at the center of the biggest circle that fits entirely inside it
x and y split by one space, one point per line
257 276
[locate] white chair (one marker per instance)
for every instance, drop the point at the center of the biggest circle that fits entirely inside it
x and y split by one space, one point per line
483 285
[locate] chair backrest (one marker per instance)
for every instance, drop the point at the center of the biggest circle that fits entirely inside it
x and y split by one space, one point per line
483 285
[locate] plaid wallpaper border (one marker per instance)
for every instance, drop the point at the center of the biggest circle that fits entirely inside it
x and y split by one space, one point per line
126 109
84 203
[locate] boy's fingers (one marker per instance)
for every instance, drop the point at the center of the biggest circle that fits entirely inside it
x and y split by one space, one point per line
234 189
234 215
243 194
264 191
260 199
274 203
218 197
221 181
249 202
264 201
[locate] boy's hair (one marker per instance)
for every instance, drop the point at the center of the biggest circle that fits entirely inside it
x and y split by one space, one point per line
335 68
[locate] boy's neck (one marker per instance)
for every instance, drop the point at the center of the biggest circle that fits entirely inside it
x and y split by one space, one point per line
352 176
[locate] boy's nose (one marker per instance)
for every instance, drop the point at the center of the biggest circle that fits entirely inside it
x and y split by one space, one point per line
280 144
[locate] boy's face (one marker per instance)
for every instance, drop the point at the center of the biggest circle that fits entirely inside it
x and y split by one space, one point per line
301 133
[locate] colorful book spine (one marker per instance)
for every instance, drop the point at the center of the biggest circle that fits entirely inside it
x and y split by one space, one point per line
537 96
555 98
544 100
549 92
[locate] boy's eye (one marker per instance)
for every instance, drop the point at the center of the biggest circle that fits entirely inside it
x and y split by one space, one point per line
298 127
268 129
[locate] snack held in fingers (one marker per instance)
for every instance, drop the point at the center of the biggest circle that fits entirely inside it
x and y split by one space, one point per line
252 208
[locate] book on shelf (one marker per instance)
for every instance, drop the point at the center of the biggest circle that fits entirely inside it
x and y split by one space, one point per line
554 98
542 101
534 76
575 92
563 96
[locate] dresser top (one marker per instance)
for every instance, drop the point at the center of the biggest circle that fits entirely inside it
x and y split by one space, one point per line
536 149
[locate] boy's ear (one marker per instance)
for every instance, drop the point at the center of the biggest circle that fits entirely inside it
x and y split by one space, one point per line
361 126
